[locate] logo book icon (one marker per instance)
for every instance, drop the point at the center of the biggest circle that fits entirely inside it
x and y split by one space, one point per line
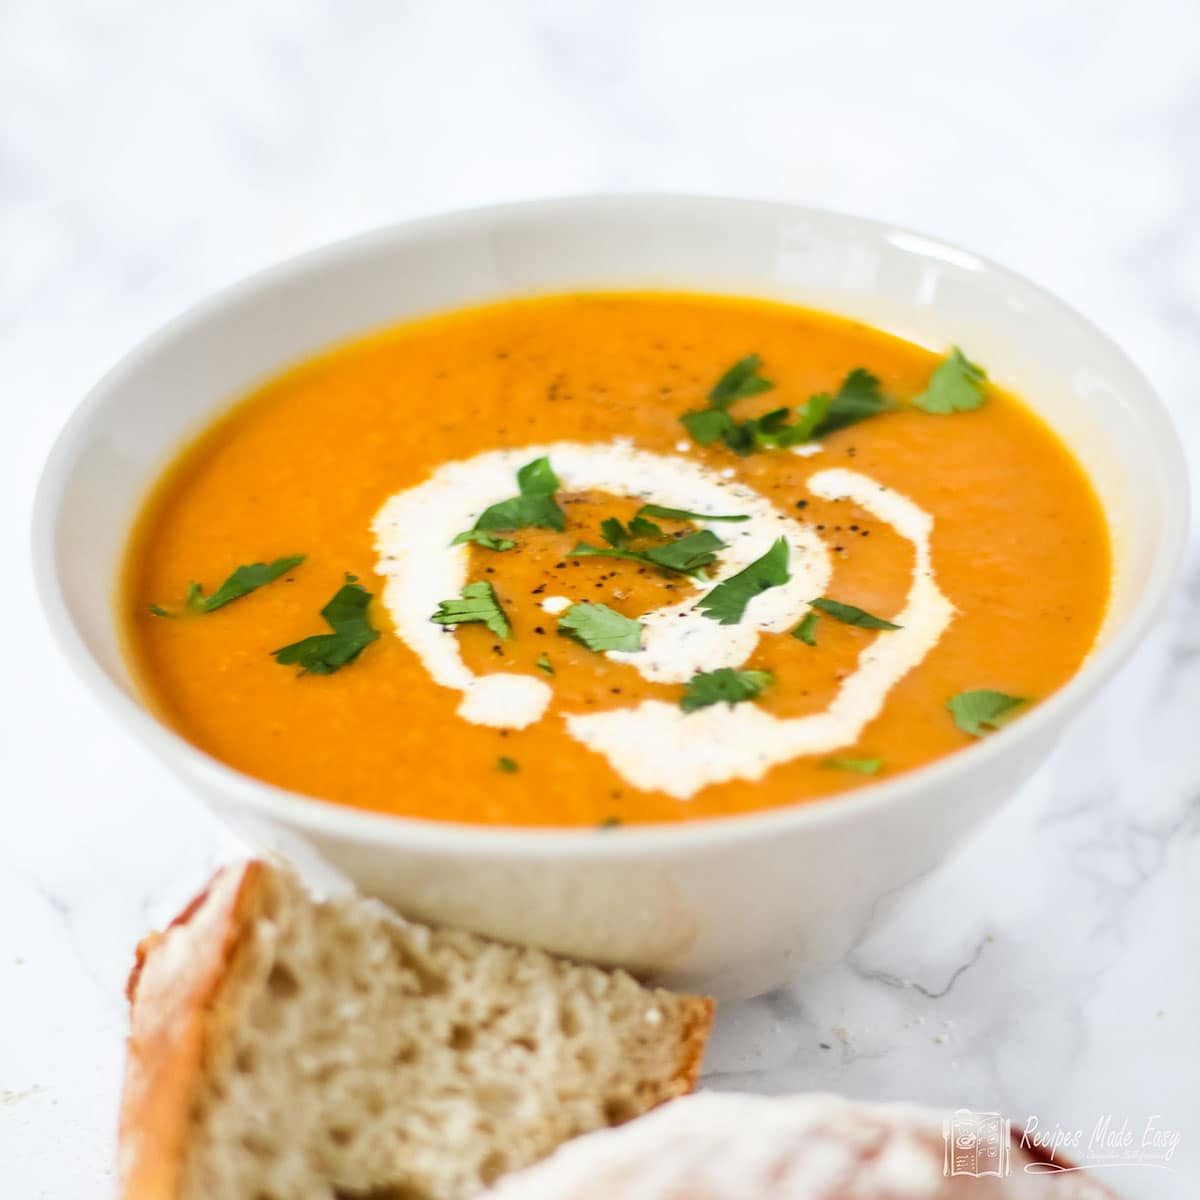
977 1144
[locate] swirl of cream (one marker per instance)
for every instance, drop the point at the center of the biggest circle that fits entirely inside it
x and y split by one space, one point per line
658 747
655 746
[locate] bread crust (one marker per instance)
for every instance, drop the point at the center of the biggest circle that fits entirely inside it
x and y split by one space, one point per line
177 991
729 1146
700 1011
172 990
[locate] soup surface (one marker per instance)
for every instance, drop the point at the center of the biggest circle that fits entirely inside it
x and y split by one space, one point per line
907 558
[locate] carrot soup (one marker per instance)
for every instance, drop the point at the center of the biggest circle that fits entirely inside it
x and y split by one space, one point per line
602 559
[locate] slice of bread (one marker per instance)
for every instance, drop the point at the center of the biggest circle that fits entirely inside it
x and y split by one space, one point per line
728 1146
288 1049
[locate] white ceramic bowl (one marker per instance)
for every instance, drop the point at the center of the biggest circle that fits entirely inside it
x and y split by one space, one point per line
732 905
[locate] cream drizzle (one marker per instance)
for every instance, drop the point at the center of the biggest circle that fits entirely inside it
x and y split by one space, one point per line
658 747
654 745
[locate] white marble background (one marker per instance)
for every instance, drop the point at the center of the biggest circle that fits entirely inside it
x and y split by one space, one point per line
150 153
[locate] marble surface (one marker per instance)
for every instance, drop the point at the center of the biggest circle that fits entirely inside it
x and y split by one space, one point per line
150 153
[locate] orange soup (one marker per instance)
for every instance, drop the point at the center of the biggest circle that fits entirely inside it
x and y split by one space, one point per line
613 558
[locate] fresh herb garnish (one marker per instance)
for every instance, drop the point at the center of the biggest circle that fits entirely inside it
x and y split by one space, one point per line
600 628
535 505
614 533
848 614
684 555
639 527
973 710
857 399
586 550
537 478
723 686
347 615
810 419
861 766
244 580
507 765
247 579
544 664
681 514
739 382
771 429
707 425
806 631
478 603
481 537
619 536
955 386
687 554
726 603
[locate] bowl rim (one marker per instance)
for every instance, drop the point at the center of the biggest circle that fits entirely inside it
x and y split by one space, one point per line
226 787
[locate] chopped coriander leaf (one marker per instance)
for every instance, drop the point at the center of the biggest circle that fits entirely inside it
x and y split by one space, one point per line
481 537
955 386
535 505
806 631
707 425
723 686
973 710
684 555
585 550
478 603
521 512
682 514
347 615
862 766
610 823
771 423
687 554
639 527
614 533
810 417
739 382
757 433
544 664
507 765
619 536
537 478
857 399
245 579
768 432
726 603
741 439
848 614
600 628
